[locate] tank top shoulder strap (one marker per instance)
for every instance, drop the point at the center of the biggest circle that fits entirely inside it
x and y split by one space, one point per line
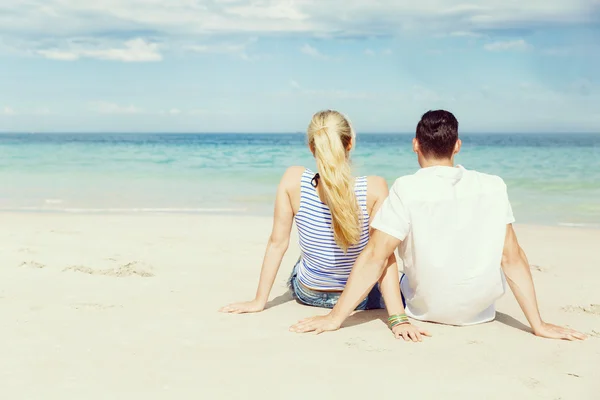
360 188
307 190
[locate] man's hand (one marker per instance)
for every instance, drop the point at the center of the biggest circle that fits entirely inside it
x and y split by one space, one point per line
316 324
518 275
244 307
409 332
551 331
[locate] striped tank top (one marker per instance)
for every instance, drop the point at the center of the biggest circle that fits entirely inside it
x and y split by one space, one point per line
323 264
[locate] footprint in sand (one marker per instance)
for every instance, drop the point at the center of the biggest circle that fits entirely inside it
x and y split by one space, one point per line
67 233
531 383
26 250
32 264
133 268
93 306
593 309
361 344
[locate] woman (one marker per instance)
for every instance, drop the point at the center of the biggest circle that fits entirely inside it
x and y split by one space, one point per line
332 210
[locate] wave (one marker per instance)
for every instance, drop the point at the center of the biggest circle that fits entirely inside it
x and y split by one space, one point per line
579 225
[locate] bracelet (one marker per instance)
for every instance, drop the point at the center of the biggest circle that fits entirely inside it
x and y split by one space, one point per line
397 319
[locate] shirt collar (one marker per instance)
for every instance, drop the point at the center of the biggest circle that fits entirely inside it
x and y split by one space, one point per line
443 171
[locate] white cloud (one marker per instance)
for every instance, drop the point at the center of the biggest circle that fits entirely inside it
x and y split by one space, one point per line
104 107
273 10
7 111
508 45
65 29
369 52
239 49
70 18
387 52
311 51
295 84
174 111
135 50
59 55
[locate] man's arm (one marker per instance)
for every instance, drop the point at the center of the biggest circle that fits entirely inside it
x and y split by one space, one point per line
374 262
516 269
367 270
389 282
389 227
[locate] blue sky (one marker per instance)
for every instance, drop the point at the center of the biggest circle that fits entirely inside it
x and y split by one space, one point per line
268 65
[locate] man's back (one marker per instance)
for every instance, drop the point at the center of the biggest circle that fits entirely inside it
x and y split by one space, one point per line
452 223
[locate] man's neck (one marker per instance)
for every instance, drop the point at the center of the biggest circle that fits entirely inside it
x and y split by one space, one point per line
445 162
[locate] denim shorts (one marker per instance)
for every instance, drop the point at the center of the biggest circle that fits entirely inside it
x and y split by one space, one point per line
374 301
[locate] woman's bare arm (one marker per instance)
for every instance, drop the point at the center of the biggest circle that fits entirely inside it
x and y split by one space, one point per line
276 246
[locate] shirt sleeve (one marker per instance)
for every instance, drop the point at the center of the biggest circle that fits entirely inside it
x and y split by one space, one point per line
510 218
392 218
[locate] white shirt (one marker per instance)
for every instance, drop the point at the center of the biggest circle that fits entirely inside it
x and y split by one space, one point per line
452 223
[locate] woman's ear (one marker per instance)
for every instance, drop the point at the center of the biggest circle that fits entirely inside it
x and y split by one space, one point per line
350 144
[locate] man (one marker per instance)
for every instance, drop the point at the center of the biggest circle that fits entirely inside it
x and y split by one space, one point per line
453 230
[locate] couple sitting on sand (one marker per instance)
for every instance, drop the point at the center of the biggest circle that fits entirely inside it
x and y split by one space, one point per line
452 228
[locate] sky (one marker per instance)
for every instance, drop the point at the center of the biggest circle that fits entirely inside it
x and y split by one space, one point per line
268 65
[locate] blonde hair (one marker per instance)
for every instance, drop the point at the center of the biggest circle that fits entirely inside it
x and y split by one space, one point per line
330 137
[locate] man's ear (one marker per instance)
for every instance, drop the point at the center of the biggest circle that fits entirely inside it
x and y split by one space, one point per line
457 146
416 146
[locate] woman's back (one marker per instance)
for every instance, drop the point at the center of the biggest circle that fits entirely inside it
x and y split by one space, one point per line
331 210
323 264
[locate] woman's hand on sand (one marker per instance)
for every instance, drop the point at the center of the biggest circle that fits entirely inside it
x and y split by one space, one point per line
244 307
410 332
316 324
551 331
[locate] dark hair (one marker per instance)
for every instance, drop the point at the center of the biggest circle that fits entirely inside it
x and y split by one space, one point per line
437 133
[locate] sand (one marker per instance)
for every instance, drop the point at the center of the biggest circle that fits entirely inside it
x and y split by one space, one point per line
125 307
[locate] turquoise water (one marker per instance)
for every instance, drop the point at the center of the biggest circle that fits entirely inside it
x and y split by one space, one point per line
552 179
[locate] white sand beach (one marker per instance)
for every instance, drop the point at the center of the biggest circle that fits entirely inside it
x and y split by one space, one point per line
125 307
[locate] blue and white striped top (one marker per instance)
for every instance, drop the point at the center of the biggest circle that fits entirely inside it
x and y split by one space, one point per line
323 264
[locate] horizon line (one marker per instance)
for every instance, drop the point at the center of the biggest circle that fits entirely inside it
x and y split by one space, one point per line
471 132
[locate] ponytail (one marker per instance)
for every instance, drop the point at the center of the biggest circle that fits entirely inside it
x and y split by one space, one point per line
330 135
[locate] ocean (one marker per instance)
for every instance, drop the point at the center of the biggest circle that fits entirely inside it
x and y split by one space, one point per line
553 179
